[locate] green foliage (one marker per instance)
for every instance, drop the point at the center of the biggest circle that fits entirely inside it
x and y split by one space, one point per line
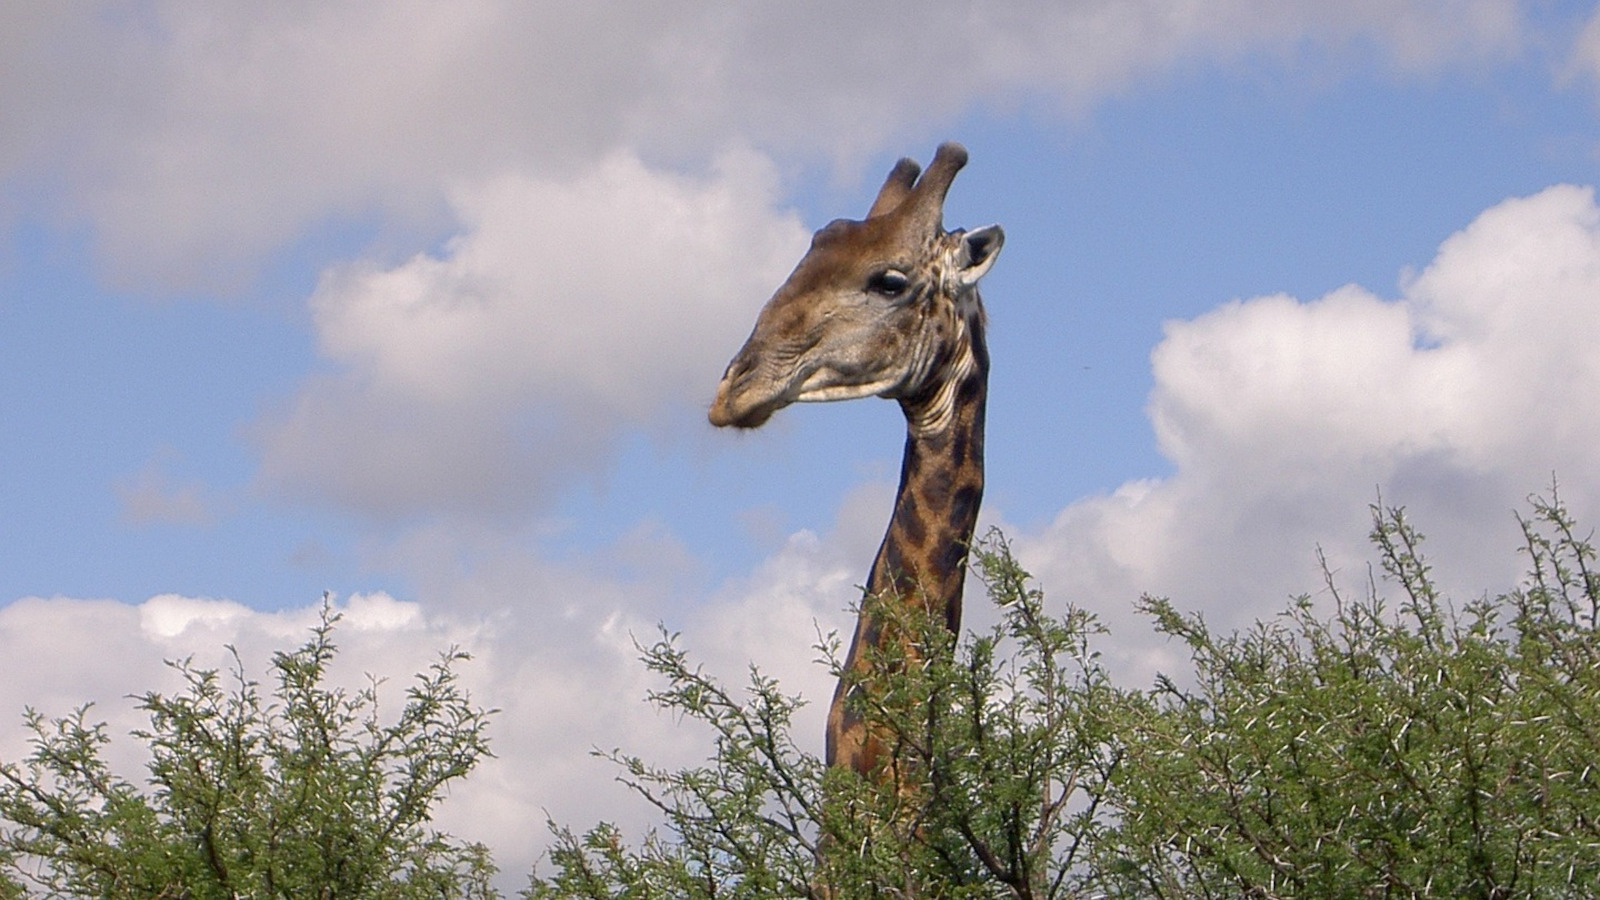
1007 741
1356 749
1001 741
1350 747
307 792
1415 752
741 821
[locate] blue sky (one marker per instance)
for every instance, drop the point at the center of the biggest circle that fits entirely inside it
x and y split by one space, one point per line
422 306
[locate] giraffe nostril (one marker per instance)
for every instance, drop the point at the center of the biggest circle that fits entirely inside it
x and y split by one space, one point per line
737 369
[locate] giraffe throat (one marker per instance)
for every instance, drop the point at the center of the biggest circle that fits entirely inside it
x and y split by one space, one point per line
933 411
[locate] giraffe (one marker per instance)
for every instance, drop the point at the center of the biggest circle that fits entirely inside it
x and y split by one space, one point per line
887 306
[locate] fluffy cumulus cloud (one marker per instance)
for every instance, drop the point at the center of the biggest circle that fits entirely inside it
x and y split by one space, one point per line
564 311
1457 399
194 140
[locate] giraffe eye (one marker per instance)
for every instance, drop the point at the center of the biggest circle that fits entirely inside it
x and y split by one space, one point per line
888 283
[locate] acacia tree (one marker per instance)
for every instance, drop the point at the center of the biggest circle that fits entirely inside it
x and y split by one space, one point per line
1002 740
305 791
1412 748
1418 749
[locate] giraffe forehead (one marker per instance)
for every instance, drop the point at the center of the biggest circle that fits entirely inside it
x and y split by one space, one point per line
844 242
843 260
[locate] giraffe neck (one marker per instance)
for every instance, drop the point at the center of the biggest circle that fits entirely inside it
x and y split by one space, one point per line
924 552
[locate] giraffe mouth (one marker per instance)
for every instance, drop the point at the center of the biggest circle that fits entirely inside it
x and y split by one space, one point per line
738 405
745 401
754 417
826 386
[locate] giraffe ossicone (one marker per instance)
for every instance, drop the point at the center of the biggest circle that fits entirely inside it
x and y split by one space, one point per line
888 306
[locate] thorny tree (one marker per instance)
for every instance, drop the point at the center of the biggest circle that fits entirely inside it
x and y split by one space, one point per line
305 792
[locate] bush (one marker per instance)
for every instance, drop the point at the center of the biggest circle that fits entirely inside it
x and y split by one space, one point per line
304 793
1418 750
1364 748
1001 740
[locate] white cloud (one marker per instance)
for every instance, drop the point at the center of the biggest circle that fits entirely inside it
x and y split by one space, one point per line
473 380
1280 416
195 140
167 616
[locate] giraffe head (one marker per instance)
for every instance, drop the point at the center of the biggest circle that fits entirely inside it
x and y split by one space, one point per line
883 306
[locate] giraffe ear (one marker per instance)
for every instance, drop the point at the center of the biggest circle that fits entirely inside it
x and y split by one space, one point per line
976 253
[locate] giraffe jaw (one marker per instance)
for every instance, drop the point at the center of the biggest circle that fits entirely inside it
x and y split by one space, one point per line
823 387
